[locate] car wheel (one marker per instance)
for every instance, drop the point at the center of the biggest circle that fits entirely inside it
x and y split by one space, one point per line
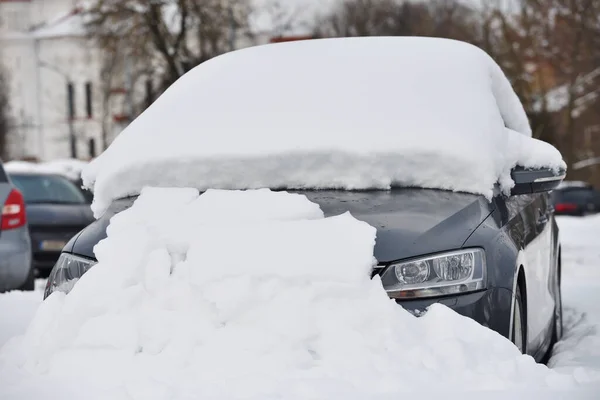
519 326
29 284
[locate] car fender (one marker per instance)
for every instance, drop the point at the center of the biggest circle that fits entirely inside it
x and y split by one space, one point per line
520 262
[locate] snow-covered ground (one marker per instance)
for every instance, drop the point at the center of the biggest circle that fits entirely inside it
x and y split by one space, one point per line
193 332
580 347
17 309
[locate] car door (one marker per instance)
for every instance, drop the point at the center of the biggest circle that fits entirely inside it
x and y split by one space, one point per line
538 252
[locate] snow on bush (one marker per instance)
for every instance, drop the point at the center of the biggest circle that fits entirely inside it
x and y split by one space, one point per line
348 113
253 295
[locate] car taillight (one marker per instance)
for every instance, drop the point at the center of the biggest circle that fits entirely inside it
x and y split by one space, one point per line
13 211
565 207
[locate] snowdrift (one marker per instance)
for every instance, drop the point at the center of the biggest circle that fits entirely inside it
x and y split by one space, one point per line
262 298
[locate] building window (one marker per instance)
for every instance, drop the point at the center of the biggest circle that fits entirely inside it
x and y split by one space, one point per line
88 99
92 148
71 100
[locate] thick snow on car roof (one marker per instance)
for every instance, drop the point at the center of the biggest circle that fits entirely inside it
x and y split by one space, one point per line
352 113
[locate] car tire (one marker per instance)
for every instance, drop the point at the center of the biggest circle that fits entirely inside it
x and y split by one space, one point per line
519 323
29 284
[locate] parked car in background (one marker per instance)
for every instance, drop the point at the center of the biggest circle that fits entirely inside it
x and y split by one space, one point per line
70 169
576 198
56 210
16 271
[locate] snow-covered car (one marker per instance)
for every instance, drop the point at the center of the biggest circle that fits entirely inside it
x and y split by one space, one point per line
424 139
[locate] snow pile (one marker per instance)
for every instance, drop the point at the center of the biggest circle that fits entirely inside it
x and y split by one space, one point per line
579 350
17 308
70 168
350 113
260 299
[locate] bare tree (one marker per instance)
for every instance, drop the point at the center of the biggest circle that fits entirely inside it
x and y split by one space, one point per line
515 33
575 38
375 18
5 121
167 38
439 18
147 45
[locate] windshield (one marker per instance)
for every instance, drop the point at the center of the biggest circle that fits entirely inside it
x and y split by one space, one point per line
49 189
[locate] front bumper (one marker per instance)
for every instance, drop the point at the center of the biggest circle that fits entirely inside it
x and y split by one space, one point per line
15 258
491 308
44 258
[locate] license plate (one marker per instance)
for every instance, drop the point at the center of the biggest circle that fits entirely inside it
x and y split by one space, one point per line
52 245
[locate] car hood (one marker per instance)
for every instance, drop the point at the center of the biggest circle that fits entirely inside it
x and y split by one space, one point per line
409 222
59 214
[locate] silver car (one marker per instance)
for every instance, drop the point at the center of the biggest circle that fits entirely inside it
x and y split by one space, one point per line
16 271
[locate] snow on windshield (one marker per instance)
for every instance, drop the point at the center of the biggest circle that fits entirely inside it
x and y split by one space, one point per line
352 113
191 301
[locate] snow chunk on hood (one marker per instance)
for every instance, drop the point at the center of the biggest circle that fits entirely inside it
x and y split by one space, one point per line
182 305
352 113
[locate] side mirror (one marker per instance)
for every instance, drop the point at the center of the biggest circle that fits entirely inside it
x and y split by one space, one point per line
535 180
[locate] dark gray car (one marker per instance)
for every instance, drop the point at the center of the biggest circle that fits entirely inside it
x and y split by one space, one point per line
497 261
56 210
15 247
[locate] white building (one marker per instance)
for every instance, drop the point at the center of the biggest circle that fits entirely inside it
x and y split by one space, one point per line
48 59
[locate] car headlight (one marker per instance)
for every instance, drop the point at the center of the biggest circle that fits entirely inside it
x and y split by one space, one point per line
454 272
66 272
